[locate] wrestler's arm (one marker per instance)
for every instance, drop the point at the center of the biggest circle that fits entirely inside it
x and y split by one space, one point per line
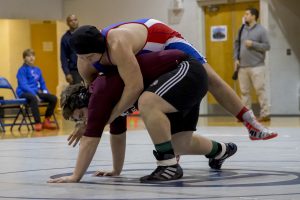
123 56
87 149
118 147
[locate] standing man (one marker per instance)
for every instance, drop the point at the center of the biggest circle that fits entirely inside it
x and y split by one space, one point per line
249 54
68 56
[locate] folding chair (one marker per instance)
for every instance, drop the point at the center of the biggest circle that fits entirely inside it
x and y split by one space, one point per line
16 103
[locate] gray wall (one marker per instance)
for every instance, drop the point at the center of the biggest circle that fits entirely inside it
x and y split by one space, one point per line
101 13
283 22
31 9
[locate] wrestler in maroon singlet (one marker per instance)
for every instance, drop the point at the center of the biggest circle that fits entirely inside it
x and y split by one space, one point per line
107 89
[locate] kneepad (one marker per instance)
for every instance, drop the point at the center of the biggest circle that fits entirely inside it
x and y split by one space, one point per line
118 126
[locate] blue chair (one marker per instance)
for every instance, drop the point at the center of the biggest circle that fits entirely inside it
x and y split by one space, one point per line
16 106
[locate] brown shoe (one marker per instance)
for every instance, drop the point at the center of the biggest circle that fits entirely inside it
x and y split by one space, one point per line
38 127
264 119
48 125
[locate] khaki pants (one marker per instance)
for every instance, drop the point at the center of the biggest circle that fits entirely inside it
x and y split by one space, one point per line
256 77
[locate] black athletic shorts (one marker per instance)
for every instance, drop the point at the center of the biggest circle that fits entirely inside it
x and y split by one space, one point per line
184 88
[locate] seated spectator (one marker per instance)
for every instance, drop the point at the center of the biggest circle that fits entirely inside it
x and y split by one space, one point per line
32 86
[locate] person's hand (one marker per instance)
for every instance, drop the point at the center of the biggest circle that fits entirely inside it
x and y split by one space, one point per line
106 173
76 134
69 78
248 43
64 179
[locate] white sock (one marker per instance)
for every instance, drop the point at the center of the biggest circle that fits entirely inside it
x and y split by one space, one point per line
221 154
249 116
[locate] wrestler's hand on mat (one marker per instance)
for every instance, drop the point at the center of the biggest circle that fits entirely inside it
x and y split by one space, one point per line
106 173
76 134
64 179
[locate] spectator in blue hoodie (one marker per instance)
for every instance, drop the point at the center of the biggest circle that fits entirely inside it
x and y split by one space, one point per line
32 86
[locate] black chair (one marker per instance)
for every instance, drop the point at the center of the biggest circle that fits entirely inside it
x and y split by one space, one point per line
16 106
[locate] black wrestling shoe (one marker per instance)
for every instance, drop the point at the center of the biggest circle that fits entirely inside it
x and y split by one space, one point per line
231 148
164 172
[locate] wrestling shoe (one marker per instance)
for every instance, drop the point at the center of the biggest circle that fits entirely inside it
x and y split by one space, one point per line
214 163
256 130
164 171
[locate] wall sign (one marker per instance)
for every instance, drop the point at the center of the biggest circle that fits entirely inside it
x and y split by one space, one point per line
218 33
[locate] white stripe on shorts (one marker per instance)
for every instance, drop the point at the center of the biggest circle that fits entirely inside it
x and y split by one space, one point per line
184 68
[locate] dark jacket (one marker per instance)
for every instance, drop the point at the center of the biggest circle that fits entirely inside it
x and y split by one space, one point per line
68 56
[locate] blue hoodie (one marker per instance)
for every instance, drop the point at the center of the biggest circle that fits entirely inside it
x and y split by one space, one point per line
30 80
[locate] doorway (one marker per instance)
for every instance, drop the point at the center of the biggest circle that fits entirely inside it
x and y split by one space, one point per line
220 47
44 43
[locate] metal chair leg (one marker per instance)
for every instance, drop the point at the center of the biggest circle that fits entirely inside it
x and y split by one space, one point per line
15 120
2 126
55 120
29 118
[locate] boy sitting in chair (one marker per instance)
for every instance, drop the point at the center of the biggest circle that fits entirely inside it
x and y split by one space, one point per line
32 86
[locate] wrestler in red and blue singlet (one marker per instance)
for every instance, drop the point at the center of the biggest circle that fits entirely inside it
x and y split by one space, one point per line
160 37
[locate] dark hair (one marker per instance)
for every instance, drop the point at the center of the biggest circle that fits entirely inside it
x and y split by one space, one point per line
254 11
73 97
28 52
88 39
